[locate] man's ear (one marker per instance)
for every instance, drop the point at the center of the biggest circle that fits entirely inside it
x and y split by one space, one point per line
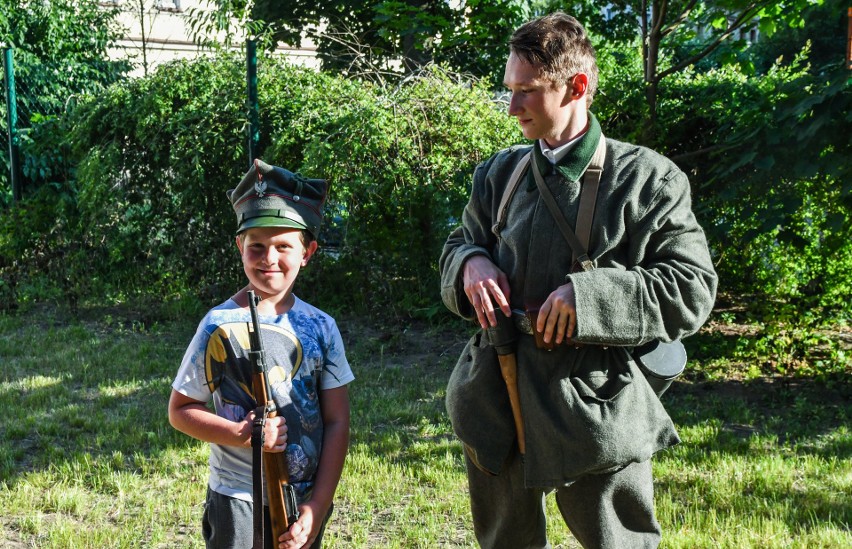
239 244
578 85
310 249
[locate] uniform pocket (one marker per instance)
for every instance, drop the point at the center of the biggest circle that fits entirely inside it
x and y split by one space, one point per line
608 415
599 380
478 405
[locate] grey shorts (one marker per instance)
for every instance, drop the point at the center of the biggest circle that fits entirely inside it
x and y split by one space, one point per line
228 523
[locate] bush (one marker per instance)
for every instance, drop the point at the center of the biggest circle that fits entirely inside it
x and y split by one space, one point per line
147 218
401 166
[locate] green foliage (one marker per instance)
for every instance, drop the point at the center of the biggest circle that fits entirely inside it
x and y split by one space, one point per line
156 156
620 102
768 154
401 164
477 42
390 36
129 201
38 249
147 217
59 54
778 189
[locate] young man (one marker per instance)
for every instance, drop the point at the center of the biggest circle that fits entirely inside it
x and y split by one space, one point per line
591 420
278 216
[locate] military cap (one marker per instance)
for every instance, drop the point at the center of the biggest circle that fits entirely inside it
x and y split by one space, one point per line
269 196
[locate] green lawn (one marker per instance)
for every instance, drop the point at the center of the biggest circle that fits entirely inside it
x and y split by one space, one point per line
88 459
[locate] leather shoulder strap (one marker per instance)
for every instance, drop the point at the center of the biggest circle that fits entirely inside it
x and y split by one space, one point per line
579 242
509 192
589 193
585 216
580 256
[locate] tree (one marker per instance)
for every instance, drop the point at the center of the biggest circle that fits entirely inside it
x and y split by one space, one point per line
389 36
677 34
60 52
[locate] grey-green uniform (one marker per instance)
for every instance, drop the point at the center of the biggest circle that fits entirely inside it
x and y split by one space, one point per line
588 412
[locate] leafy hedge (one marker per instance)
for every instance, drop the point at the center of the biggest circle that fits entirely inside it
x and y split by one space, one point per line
131 204
143 213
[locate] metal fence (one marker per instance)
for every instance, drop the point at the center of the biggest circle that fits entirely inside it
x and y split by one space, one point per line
29 97
10 118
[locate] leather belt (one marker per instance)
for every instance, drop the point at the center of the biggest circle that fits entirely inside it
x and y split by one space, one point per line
522 323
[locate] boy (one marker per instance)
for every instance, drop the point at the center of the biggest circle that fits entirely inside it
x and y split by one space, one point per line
278 216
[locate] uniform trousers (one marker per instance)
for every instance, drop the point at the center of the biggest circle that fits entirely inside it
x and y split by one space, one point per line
607 511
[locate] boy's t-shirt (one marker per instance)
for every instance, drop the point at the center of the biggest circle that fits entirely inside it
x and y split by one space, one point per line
304 354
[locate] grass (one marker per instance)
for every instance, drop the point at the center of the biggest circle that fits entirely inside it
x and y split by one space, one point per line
88 459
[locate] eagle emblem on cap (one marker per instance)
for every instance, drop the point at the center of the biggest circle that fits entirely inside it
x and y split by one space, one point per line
260 188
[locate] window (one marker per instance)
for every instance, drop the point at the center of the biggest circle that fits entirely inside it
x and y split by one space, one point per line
167 5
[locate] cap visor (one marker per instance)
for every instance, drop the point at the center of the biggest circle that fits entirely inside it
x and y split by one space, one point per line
283 222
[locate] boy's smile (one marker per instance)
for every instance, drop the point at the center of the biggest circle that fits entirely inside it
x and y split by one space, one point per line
272 258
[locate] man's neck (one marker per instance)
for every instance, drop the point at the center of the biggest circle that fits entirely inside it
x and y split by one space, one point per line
578 124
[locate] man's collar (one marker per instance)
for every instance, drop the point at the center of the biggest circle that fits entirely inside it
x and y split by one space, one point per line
575 162
556 154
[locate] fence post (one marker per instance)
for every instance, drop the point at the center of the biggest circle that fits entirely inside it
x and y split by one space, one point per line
12 124
849 39
251 81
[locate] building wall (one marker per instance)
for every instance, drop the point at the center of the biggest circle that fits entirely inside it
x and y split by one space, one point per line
165 26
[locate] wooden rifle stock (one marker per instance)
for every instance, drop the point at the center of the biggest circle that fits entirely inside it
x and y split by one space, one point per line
503 338
280 495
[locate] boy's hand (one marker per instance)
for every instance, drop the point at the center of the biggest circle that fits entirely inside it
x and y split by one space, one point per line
304 531
274 432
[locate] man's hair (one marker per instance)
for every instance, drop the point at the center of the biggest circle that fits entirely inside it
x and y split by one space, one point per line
558 46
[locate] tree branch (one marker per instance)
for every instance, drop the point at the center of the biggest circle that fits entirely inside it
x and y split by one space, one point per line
688 156
745 16
684 15
659 12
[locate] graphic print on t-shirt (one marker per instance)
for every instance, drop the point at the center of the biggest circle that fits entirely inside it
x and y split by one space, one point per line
228 366
228 370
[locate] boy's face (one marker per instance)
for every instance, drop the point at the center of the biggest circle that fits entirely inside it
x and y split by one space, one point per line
272 257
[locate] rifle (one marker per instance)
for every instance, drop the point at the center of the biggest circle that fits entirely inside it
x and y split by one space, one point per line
279 493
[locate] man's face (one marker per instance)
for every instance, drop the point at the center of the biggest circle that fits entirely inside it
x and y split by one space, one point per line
537 103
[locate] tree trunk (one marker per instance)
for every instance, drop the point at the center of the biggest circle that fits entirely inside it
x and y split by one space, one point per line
651 37
413 57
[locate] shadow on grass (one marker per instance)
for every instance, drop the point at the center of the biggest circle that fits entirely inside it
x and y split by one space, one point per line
772 450
801 413
81 391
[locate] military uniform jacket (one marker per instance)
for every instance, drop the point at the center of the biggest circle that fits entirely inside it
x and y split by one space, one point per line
587 409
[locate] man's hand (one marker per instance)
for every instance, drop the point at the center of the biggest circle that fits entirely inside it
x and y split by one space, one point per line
484 285
557 317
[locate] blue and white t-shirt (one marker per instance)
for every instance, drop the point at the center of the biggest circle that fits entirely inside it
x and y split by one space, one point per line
304 354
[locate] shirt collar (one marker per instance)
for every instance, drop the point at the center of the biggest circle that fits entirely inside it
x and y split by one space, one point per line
578 154
557 154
